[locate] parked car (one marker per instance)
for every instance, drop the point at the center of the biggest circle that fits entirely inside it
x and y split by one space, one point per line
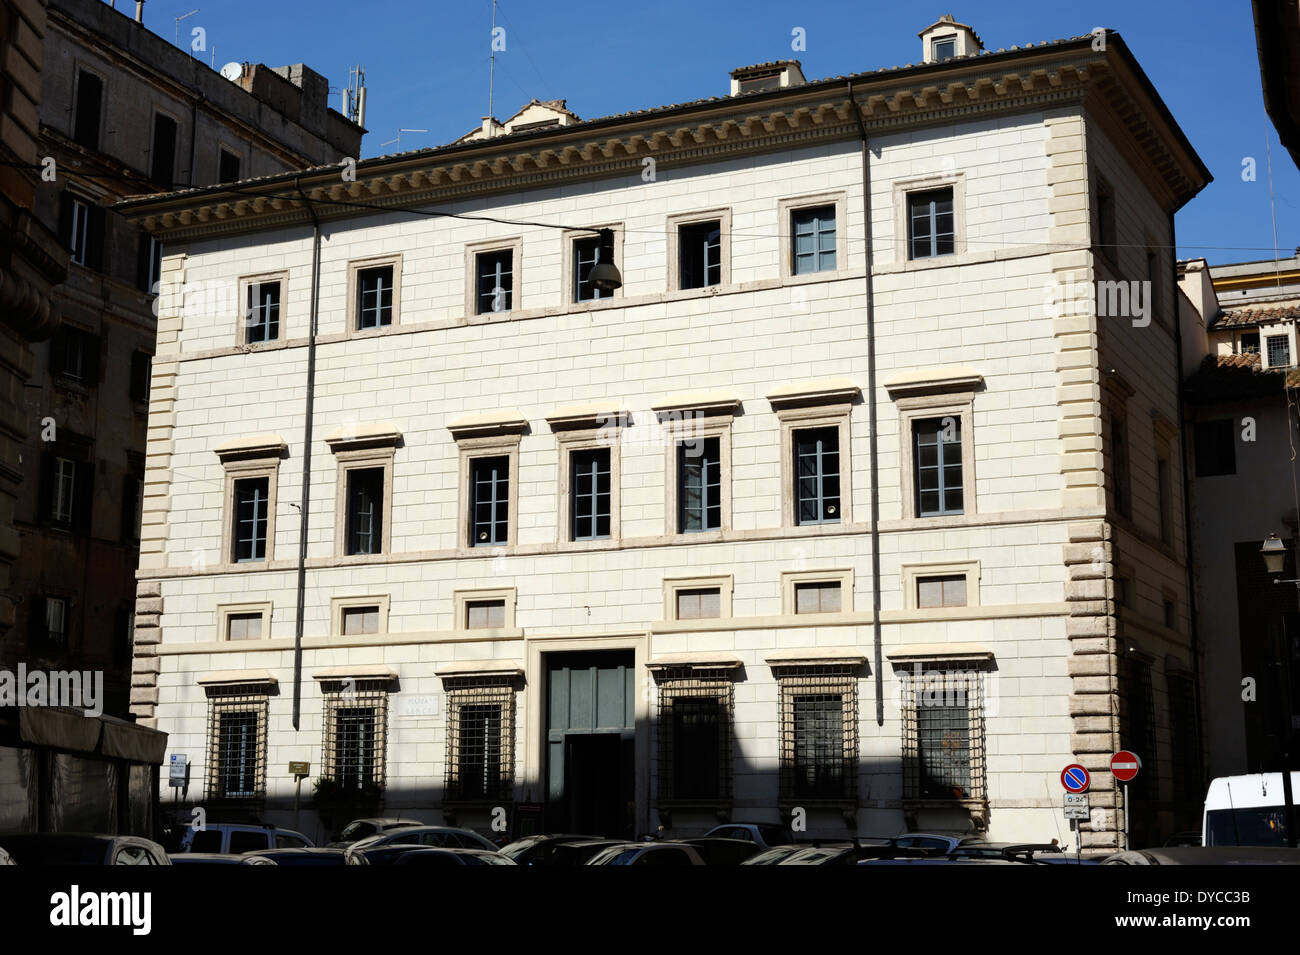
451 857
4 858
1012 851
774 855
1207 855
537 850
217 858
359 829
718 851
765 835
77 848
851 853
239 837
379 850
578 853
648 853
1247 810
299 855
936 842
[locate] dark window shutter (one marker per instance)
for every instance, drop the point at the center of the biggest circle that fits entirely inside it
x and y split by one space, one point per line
143 248
96 239
65 219
46 505
83 495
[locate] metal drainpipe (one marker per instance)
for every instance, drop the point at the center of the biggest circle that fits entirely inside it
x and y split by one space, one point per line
877 666
1188 553
305 507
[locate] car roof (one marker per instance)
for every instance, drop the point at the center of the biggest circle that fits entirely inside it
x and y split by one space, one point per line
299 850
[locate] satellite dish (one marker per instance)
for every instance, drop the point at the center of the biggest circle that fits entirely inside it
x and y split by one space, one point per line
233 71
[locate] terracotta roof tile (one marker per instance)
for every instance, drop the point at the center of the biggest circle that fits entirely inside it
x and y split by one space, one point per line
1224 378
1257 315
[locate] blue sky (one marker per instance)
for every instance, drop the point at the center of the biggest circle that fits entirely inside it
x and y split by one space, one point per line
427 67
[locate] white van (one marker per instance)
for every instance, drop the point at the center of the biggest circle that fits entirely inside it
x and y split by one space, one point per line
1248 810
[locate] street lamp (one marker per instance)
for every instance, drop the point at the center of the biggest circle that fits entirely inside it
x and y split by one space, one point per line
1274 553
604 274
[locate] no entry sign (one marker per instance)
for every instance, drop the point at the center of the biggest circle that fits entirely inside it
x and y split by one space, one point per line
1124 765
1075 778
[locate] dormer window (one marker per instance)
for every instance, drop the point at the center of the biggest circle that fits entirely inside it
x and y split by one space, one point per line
943 48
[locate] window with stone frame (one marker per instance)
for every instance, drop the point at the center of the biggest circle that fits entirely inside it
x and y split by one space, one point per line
943 732
355 733
237 725
1138 721
694 735
818 732
480 738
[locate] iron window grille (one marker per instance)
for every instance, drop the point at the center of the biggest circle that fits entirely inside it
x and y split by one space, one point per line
931 224
490 504
943 734
365 511
237 719
938 466
699 468
1138 721
375 291
251 503
590 479
356 729
262 317
700 254
819 734
480 739
495 281
1184 738
694 736
817 476
586 255
1279 351
814 240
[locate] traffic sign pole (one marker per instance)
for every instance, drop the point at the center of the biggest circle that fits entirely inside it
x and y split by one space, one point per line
1127 846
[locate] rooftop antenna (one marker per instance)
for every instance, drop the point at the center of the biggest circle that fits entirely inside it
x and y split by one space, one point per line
398 140
177 37
492 58
354 97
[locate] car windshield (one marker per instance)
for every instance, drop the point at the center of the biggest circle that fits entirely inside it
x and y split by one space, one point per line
520 846
357 831
1261 826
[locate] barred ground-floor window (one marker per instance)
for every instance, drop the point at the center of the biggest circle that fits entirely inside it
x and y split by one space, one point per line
480 738
237 720
355 733
694 735
943 732
819 732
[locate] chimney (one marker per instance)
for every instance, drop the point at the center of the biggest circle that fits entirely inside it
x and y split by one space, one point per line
946 38
139 11
766 76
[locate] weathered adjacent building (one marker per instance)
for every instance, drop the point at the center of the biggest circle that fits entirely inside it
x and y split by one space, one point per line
122 112
846 507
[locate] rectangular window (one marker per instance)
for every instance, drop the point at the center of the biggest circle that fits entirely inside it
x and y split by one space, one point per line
814 240
56 620
262 313
931 224
358 621
819 745
239 754
74 355
699 604
943 735
694 730
586 253
485 614
65 483
945 591
244 626
132 509
1279 351
141 371
1119 464
700 254
1139 721
354 747
252 497
489 501
162 161
943 48
699 485
1106 239
817 476
495 281
365 503
938 466
1170 613
1216 447
227 166
149 263
480 739
818 597
1250 343
589 477
375 297
90 98
1165 501
78 236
